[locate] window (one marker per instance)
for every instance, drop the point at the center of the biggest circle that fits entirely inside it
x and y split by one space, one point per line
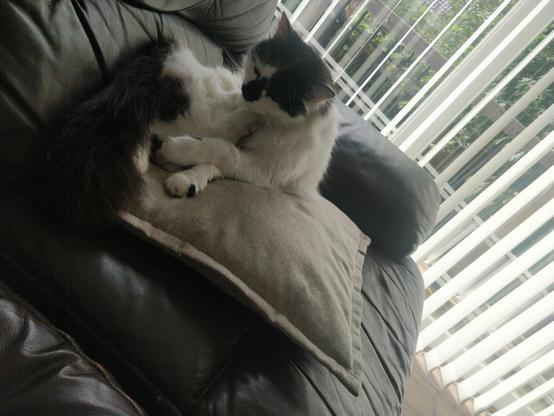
465 88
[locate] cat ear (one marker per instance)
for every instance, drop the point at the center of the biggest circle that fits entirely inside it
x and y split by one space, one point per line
321 92
284 29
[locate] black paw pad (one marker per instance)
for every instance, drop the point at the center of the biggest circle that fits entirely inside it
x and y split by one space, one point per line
191 192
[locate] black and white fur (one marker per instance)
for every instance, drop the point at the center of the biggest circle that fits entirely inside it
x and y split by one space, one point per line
288 87
89 170
271 124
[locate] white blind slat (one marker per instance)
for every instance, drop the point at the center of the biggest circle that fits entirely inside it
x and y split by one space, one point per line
359 48
393 49
486 320
496 162
320 21
474 79
549 411
441 72
493 190
506 362
527 399
495 128
495 283
498 339
504 214
517 379
431 45
298 11
437 147
347 26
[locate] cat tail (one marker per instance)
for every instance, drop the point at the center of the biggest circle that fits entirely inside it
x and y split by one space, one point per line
89 171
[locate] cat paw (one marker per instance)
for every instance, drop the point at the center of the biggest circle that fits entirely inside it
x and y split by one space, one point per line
155 145
175 152
190 182
181 184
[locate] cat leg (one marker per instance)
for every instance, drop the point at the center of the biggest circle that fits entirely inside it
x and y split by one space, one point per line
155 143
231 161
245 124
191 181
181 151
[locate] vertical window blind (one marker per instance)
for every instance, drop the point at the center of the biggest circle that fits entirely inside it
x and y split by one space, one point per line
465 88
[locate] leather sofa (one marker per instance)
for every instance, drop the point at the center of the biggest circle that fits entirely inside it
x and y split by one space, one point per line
102 323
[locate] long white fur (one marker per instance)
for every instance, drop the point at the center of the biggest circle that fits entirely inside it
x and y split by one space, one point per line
291 154
216 104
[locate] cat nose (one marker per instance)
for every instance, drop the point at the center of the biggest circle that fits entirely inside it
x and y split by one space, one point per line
252 90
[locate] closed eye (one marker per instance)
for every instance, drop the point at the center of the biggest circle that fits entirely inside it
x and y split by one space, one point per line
257 73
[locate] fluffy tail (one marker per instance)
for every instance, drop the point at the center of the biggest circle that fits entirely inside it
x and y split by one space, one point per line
88 172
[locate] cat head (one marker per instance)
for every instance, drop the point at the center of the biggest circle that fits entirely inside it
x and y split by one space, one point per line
286 78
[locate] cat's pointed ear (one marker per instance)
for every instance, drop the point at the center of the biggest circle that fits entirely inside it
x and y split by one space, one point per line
321 92
284 29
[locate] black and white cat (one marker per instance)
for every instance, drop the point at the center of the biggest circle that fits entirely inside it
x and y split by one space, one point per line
271 124
287 86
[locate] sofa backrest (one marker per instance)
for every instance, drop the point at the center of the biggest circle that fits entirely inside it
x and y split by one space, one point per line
236 25
55 54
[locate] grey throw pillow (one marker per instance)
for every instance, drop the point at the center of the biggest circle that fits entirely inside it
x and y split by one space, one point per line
296 262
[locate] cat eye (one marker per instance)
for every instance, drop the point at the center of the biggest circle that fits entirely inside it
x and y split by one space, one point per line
257 73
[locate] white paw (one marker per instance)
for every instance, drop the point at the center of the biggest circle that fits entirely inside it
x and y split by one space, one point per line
190 182
181 151
179 185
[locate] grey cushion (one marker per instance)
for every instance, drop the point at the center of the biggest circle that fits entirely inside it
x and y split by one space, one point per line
298 262
388 195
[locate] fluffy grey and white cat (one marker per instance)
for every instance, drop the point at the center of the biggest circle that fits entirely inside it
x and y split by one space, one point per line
271 124
283 97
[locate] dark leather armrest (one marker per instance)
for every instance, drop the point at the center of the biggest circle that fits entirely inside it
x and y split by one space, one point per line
389 196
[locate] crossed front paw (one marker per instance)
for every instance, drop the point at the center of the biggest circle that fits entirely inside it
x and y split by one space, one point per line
176 151
180 184
190 182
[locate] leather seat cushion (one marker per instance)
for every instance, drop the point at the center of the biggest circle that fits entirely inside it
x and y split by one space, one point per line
181 346
43 370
